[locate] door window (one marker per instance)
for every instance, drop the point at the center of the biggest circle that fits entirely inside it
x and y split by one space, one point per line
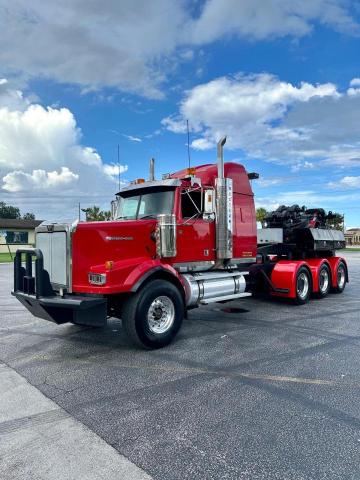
191 203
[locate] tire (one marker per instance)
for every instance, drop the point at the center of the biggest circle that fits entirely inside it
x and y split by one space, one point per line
340 278
153 316
324 281
302 286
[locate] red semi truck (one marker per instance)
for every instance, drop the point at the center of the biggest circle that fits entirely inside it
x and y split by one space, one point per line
173 244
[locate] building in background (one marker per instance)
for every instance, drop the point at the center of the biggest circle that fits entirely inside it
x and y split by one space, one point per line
352 236
15 233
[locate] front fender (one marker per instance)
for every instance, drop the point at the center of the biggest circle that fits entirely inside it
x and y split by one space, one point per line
142 272
128 275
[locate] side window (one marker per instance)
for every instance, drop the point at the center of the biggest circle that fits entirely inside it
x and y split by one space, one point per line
17 237
130 206
190 203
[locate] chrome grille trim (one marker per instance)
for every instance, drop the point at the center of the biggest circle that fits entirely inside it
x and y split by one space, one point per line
69 229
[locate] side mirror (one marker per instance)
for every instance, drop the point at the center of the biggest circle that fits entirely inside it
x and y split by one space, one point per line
209 217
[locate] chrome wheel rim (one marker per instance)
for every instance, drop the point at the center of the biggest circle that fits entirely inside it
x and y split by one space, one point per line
161 315
341 276
324 280
302 285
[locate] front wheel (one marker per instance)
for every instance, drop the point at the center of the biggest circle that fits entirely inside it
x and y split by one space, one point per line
302 286
153 316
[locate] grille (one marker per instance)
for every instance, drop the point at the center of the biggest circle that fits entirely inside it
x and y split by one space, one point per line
54 242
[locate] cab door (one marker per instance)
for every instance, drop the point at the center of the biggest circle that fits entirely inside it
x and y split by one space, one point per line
195 236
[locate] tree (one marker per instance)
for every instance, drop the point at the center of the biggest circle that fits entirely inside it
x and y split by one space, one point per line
95 214
107 215
260 215
8 211
28 216
336 221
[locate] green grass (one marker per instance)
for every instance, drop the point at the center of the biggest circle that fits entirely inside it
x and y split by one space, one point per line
351 249
5 257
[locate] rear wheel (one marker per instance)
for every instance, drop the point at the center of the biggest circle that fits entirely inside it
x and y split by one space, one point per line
324 281
340 278
153 316
302 286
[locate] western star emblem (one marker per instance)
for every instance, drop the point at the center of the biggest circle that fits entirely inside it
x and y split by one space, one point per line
119 238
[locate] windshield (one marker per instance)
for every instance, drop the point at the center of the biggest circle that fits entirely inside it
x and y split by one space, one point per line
145 204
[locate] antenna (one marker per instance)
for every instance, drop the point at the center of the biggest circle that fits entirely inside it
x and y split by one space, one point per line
118 159
188 140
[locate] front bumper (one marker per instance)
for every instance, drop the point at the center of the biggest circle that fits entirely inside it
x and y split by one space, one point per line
38 296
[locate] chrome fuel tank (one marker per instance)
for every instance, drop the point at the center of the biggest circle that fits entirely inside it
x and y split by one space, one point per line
214 286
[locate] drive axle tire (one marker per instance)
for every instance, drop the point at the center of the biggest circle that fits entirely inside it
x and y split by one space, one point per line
340 278
324 281
153 316
302 286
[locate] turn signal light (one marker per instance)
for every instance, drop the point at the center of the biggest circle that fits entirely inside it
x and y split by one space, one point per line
109 265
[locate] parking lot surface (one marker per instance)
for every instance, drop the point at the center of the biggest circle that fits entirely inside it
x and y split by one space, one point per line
250 389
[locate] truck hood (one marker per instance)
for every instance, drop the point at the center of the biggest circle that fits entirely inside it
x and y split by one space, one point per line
94 243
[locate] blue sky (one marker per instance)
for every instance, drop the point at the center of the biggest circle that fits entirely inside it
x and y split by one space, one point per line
280 77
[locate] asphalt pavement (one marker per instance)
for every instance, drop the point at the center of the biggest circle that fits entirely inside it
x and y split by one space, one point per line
251 389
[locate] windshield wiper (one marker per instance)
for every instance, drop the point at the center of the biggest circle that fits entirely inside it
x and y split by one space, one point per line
151 215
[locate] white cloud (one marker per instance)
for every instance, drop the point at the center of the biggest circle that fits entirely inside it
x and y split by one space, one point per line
243 107
346 182
11 97
175 124
267 118
132 138
18 181
42 159
187 54
41 137
354 87
134 46
271 181
302 166
259 19
92 44
113 169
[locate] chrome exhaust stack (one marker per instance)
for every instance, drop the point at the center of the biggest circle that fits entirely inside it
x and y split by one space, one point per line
152 170
220 156
224 208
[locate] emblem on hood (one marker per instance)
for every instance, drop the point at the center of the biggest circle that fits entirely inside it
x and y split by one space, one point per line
119 238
